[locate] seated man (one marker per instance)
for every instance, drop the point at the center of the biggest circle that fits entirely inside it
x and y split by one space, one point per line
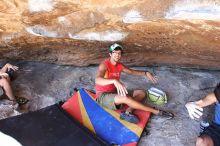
211 135
112 93
5 83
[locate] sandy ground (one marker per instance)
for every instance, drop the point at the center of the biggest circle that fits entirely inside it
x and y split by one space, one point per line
45 84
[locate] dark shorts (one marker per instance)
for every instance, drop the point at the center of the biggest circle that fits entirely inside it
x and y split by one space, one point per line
213 131
107 99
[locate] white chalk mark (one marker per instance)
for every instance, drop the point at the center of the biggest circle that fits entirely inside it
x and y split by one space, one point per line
41 5
194 9
41 31
133 17
100 36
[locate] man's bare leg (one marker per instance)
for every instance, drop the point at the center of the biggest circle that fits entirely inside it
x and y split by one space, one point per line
5 84
138 95
204 140
134 104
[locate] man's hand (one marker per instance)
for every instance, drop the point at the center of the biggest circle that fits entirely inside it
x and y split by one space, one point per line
151 77
194 110
121 89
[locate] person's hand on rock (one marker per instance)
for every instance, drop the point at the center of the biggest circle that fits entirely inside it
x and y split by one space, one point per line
151 77
194 110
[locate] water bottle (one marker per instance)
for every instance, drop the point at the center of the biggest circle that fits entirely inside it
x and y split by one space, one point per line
203 125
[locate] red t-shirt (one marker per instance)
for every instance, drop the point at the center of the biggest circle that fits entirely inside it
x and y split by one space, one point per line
112 72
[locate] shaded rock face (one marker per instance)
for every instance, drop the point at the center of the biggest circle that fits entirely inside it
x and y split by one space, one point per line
172 32
46 84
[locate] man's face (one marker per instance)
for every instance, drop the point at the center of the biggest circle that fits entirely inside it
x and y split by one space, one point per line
116 55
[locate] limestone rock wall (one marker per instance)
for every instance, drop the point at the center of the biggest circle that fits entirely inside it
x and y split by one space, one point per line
78 32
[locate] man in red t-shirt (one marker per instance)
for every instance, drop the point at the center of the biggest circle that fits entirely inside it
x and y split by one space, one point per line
112 93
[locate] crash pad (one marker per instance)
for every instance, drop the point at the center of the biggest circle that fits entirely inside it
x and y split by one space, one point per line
104 122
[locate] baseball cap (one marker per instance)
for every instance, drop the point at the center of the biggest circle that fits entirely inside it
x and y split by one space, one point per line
114 46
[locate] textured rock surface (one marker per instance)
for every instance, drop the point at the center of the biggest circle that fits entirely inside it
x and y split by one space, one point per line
46 84
172 32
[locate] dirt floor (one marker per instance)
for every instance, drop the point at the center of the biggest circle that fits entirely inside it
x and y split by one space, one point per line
45 84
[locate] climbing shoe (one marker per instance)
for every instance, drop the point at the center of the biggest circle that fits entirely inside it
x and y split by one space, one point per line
129 117
21 100
165 114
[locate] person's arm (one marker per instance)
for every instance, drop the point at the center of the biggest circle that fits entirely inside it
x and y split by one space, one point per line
150 76
102 81
7 67
195 109
208 100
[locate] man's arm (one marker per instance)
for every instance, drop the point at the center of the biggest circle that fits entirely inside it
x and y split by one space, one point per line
5 68
150 76
208 100
8 66
102 81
